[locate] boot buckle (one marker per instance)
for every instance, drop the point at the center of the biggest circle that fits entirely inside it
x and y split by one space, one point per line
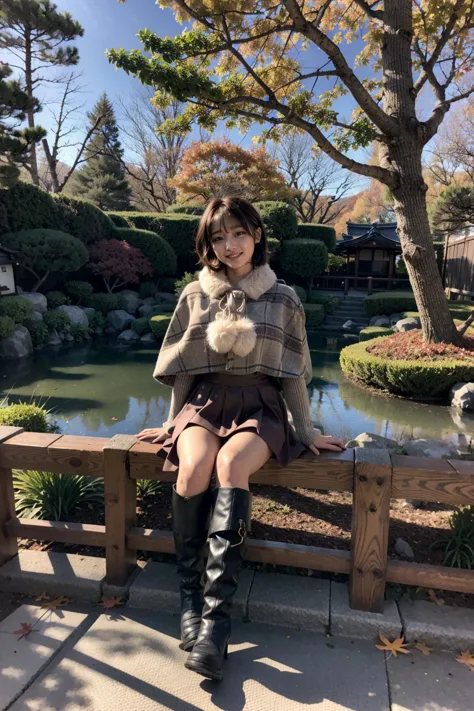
241 532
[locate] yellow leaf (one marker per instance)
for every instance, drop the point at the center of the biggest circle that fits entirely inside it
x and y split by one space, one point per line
42 596
55 603
434 598
466 658
423 648
395 647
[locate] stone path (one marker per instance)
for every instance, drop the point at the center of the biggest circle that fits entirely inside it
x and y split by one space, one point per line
129 659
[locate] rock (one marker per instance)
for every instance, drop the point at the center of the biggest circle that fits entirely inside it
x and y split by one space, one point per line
148 338
349 325
37 317
148 309
130 301
407 324
170 298
128 335
404 549
39 301
68 337
77 315
462 396
393 318
381 321
54 339
432 448
18 345
88 310
373 441
149 300
119 319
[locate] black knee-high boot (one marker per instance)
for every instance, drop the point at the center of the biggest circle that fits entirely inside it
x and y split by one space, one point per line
190 527
227 545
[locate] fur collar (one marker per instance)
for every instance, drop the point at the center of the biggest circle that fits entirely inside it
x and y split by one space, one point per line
256 283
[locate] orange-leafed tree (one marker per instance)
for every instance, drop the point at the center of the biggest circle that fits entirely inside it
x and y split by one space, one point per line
220 167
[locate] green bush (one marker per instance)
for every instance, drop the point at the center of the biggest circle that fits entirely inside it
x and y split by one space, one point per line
420 379
27 207
164 308
166 285
329 302
156 249
38 332
324 233
56 298
141 325
390 302
80 333
96 320
185 209
80 291
17 308
304 257
279 219
459 550
7 327
148 487
103 302
159 325
118 220
56 320
31 417
367 334
178 230
302 293
55 497
83 220
186 279
314 315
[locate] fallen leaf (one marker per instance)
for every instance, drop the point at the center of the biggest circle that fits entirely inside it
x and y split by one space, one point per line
43 596
114 418
423 648
109 602
434 598
53 604
26 628
466 658
395 647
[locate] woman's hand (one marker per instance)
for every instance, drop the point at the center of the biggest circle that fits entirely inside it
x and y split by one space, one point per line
155 434
326 442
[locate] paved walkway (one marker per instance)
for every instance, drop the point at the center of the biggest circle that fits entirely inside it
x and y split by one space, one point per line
128 660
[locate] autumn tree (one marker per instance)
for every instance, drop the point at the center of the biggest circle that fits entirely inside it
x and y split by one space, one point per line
242 62
217 168
118 263
34 34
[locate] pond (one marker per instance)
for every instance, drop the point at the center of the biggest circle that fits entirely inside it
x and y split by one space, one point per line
105 389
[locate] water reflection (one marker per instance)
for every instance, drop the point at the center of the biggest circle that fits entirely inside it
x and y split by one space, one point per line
108 389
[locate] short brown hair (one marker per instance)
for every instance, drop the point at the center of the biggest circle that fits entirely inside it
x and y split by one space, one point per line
243 211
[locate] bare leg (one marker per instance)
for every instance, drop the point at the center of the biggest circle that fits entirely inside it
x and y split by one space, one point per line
197 449
243 454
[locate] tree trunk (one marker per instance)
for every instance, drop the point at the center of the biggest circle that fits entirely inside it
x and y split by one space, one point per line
52 165
30 112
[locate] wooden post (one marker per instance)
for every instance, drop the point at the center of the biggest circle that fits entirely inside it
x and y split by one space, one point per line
346 286
120 493
369 285
370 525
8 544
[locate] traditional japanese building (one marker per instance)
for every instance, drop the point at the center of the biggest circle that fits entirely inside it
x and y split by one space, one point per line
371 251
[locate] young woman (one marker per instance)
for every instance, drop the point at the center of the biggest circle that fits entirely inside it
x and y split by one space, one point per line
236 339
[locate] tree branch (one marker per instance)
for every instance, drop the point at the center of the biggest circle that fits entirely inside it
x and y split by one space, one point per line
369 10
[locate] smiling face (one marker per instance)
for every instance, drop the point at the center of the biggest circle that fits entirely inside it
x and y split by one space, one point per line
233 244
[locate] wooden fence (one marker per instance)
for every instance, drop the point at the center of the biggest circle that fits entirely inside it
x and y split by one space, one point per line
458 269
372 476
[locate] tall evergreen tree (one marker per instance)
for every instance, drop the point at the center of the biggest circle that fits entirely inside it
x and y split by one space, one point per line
34 32
102 179
15 143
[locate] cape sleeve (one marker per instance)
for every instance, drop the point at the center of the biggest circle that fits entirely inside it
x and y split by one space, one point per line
296 345
169 362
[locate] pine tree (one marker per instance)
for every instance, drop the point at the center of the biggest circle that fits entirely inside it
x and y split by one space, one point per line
34 32
102 179
15 143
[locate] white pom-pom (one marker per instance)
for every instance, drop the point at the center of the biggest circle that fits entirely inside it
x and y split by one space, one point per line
221 335
246 337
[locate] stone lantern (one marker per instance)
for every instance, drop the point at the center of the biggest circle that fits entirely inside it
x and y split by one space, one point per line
7 272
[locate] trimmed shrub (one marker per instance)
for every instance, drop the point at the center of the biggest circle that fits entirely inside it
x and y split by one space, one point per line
421 379
17 308
367 334
302 293
103 302
324 233
81 291
185 209
80 333
83 220
186 279
279 219
27 207
141 325
156 249
118 220
38 332
164 309
329 302
314 315
147 290
55 497
391 302
29 416
178 230
56 320
96 320
304 257
159 325
7 327
56 298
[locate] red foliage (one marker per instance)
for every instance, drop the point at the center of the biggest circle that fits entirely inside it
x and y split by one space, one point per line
118 263
410 346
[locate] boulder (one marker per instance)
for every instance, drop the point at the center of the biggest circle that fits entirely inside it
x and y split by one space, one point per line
373 441
170 298
407 324
130 301
128 335
404 549
88 310
393 318
148 309
77 315
39 301
148 338
37 317
437 448
149 300
119 320
381 321
18 345
349 325
54 339
462 396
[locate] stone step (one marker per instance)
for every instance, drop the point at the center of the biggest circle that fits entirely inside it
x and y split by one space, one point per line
342 320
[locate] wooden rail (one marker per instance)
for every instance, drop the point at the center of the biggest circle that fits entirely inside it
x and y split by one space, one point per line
372 476
343 282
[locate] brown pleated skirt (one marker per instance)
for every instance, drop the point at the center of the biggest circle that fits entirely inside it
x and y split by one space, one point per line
225 404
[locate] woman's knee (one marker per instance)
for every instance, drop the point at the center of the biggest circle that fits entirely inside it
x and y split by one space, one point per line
194 475
230 470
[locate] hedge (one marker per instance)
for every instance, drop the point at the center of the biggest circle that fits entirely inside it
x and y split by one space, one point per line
302 293
81 291
30 417
156 249
83 220
103 302
185 209
404 377
17 308
56 320
314 315
7 327
56 298
324 233
141 325
159 325
117 219
279 219
367 334
389 303
178 230
329 302
304 257
38 332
